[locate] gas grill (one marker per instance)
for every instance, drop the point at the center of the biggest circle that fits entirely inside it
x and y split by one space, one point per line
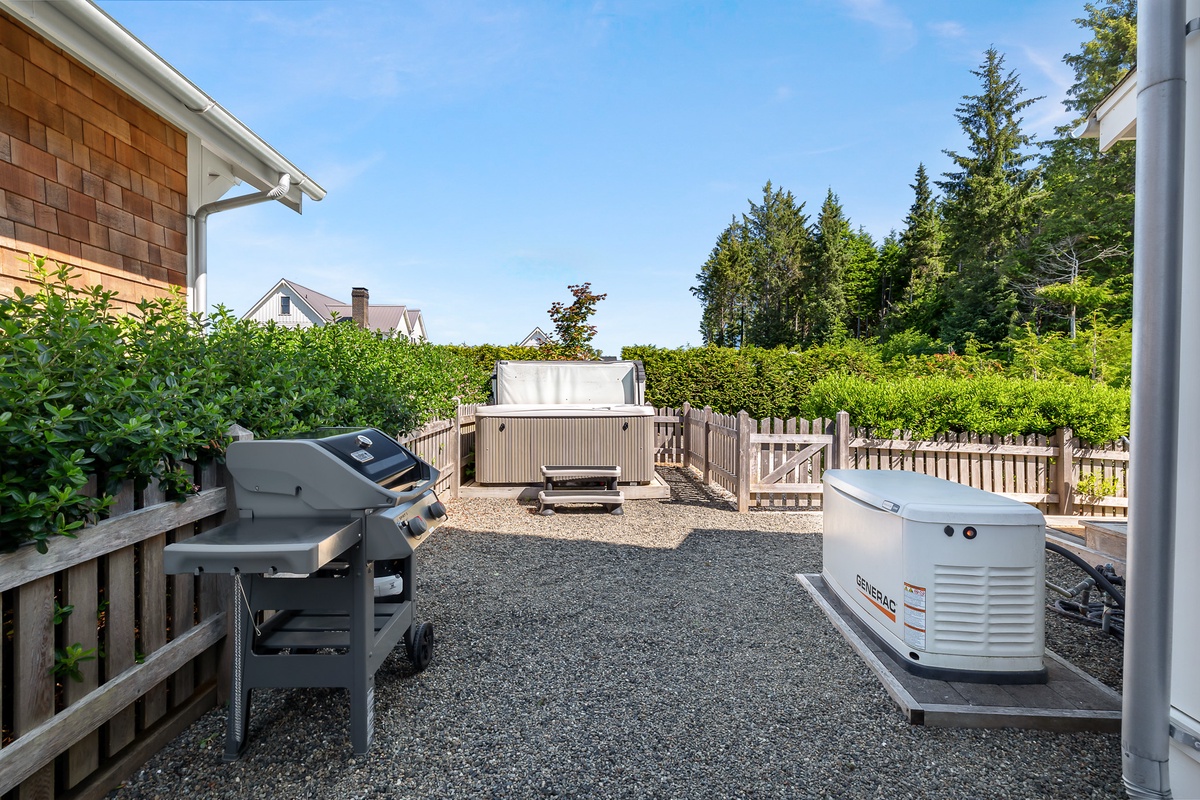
319 515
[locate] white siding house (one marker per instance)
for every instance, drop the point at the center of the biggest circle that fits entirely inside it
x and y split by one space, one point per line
294 306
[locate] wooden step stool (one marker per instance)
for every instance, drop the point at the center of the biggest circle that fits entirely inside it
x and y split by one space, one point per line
587 485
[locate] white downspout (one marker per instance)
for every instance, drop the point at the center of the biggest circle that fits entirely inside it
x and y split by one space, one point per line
200 295
1157 287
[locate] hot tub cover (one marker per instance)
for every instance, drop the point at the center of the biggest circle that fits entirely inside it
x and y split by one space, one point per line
564 410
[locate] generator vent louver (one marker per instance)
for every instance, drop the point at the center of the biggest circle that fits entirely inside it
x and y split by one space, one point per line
983 606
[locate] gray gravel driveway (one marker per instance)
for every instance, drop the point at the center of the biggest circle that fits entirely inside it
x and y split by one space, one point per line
669 653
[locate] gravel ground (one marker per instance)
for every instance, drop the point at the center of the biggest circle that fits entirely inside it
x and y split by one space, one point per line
666 653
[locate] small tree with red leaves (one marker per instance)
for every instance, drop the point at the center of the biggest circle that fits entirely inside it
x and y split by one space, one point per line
573 334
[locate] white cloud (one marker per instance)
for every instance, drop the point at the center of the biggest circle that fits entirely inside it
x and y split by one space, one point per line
948 29
886 17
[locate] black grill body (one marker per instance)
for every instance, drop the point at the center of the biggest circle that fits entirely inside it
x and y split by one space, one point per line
318 514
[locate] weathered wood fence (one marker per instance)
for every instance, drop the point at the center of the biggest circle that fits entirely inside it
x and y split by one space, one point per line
153 638
777 463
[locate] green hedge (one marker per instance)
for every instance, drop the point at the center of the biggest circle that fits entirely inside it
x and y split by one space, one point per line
946 393
85 390
986 404
765 383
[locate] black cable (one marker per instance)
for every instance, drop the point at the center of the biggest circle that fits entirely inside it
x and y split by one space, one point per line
1109 615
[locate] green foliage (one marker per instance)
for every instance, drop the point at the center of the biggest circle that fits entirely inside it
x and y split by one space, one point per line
86 391
831 262
277 380
723 289
67 660
766 383
986 404
89 392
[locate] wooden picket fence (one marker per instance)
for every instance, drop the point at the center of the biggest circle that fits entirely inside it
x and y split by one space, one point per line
154 639
775 463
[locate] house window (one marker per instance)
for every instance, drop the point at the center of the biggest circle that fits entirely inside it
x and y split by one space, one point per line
285 305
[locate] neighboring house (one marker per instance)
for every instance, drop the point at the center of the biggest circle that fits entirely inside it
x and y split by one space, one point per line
295 306
111 160
536 338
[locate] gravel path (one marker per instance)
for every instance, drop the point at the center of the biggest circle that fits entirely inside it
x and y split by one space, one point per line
666 653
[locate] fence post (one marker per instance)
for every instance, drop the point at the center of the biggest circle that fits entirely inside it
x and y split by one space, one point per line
744 446
1065 477
841 440
706 473
456 443
686 437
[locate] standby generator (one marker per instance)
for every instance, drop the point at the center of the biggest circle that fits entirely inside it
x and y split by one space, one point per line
949 579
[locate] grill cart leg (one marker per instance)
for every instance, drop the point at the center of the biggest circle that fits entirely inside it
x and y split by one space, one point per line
239 696
362 641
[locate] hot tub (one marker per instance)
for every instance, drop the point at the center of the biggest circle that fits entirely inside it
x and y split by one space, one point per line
514 440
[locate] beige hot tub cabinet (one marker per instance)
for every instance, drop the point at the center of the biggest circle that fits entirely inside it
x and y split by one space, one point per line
564 413
513 441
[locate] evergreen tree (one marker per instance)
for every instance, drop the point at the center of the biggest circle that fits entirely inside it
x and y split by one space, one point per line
864 286
1087 211
920 300
892 281
778 245
724 289
827 298
989 204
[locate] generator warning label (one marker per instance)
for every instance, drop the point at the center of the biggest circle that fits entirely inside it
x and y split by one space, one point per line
914 616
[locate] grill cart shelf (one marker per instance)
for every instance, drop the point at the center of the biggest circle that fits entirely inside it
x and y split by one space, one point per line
319 517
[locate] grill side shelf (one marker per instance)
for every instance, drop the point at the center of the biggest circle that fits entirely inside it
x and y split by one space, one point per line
264 546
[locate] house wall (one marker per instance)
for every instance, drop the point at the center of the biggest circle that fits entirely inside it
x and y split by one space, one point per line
271 311
88 175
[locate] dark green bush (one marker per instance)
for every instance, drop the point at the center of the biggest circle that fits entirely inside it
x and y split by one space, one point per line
766 383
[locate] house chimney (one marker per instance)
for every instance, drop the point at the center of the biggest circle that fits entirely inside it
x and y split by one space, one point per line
358 306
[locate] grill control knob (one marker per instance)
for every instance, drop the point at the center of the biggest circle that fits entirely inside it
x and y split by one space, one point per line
417 526
438 509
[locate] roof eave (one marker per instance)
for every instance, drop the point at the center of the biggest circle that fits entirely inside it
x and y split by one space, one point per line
88 33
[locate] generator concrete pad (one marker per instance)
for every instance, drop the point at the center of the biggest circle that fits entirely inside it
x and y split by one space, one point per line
1071 700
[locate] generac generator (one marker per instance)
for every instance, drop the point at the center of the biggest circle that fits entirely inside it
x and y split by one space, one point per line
949 579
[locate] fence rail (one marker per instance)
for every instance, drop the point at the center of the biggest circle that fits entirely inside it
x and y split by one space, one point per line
776 463
150 643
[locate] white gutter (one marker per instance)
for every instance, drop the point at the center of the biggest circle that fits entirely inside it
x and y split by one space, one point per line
1157 288
200 279
88 33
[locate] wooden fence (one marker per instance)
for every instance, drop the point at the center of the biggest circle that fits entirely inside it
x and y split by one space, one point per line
154 641
776 463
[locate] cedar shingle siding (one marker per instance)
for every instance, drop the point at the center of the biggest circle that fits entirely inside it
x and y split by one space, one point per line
88 175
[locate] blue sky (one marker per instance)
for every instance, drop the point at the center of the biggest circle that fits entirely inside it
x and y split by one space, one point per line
481 156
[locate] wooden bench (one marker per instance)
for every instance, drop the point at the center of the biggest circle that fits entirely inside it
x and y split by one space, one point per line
588 484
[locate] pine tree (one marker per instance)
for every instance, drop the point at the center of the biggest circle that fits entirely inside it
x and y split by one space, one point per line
1088 207
989 204
778 246
724 289
864 286
920 294
827 300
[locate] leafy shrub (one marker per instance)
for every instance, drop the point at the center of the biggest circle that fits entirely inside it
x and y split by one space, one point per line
86 391
986 404
766 383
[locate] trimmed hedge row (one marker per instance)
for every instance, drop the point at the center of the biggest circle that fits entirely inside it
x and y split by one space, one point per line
987 404
948 393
